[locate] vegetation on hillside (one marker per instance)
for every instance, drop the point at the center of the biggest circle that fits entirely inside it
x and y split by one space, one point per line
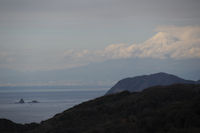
160 109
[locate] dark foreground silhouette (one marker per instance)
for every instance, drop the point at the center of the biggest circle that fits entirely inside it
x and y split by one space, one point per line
160 109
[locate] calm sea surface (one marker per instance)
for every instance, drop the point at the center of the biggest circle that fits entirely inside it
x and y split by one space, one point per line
51 102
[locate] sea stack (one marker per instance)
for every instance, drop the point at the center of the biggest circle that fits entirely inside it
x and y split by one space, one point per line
21 101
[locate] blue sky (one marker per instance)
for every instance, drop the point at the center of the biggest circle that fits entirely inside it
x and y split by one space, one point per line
57 35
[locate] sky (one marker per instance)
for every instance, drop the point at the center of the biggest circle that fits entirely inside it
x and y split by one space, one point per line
41 37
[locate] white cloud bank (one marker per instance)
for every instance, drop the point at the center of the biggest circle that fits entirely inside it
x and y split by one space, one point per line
169 42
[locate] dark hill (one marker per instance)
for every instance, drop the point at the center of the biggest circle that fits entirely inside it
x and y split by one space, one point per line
160 109
139 83
7 126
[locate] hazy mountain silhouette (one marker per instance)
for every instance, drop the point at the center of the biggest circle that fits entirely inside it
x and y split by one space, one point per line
139 83
160 109
104 72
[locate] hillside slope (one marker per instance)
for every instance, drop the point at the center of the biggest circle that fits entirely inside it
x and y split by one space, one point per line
139 83
161 109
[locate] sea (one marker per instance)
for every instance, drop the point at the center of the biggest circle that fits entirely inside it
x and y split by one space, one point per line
51 100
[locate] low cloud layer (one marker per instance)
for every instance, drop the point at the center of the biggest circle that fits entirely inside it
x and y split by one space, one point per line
168 42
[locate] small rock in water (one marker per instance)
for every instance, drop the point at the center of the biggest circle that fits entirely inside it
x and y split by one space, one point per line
21 101
34 101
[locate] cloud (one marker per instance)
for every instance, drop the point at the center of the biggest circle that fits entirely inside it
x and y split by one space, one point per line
168 42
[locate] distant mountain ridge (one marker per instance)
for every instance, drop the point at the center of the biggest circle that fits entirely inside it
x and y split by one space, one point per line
139 83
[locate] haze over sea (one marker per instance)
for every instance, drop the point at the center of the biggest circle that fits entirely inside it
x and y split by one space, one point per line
52 100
